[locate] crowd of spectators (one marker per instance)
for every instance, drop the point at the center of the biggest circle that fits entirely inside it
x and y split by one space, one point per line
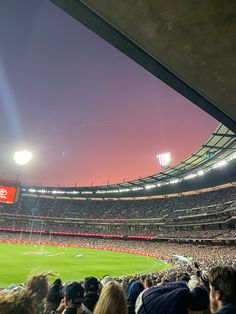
209 212
123 209
121 230
46 226
183 288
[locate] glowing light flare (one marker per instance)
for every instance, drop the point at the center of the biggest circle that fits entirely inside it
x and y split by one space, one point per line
200 173
164 159
22 157
174 181
221 163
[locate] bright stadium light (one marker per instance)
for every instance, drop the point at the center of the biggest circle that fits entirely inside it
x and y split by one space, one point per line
164 159
150 186
174 181
200 173
22 157
190 176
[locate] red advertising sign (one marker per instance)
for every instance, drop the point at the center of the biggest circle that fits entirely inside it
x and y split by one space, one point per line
7 194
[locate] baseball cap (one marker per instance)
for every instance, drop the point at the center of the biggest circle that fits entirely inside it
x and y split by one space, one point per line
74 293
91 284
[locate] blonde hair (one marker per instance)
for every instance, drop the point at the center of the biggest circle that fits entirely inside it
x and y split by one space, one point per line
18 302
112 300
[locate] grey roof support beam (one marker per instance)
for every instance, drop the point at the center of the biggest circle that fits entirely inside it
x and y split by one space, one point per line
225 135
220 148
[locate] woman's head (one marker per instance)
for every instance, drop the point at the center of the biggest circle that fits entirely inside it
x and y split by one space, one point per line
38 285
112 300
18 302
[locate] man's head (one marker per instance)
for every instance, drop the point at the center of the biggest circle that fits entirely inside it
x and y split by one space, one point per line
74 295
91 284
223 287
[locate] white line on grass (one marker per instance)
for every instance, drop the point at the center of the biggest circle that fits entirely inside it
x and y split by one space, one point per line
57 254
149 269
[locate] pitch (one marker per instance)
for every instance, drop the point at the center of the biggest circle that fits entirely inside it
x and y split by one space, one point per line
19 261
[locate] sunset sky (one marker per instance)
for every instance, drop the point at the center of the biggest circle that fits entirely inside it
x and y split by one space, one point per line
87 112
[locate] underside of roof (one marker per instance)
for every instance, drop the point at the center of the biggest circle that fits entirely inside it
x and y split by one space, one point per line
188 44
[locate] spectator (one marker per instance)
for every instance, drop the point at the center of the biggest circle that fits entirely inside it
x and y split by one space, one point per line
74 294
173 298
134 289
106 279
184 277
91 288
38 286
18 303
147 283
223 290
54 296
112 300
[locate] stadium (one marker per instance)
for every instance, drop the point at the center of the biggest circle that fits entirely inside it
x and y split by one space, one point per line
171 227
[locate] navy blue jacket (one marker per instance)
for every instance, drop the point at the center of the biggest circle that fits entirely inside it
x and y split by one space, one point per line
228 309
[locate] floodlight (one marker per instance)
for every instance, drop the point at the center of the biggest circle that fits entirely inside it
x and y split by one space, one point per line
22 157
190 176
221 163
164 159
174 181
149 186
231 157
200 173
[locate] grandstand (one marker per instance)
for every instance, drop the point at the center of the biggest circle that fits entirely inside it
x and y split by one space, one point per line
137 209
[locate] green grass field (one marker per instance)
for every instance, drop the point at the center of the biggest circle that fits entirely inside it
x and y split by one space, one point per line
19 261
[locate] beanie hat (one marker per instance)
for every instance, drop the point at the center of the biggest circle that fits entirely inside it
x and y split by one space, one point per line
199 299
133 291
169 298
173 298
106 279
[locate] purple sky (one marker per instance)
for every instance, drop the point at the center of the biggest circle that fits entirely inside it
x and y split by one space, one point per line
86 111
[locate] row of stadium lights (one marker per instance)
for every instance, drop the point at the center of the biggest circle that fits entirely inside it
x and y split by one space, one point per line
164 160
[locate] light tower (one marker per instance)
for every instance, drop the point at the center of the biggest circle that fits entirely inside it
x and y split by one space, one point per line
164 160
22 158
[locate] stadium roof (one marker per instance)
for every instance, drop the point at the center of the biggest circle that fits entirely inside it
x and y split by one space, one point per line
200 170
219 148
190 45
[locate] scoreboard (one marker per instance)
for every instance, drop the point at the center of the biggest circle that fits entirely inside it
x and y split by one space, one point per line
8 193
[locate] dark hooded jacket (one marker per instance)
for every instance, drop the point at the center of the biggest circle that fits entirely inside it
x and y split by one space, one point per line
134 289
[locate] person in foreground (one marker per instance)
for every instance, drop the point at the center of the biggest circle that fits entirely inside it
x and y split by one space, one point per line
223 290
112 300
74 295
173 298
